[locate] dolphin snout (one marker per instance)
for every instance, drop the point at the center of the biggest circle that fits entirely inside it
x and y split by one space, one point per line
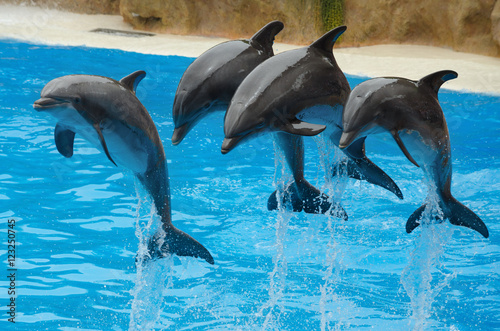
44 103
179 134
228 144
346 139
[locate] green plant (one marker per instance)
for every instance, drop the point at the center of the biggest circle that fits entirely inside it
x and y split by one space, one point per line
331 13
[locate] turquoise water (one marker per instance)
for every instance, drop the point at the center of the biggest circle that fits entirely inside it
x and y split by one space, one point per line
80 222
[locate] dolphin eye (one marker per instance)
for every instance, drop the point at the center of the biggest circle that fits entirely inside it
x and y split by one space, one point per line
261 125
77 100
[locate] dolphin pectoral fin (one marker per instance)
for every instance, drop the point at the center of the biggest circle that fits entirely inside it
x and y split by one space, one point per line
64 140
365 169
97 127
402 146
356 149
179 243
291 198
358 166
131 81
302 128
463 216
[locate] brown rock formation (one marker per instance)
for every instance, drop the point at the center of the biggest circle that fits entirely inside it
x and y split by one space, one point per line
464 25
224 18
495 23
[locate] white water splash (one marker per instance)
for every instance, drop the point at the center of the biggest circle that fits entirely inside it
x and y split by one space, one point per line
335 186
425 276
277 283
153 277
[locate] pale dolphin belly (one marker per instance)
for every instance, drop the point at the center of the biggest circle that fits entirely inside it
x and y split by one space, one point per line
125 145
425 154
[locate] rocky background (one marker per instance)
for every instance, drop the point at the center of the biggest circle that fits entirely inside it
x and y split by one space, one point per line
464 25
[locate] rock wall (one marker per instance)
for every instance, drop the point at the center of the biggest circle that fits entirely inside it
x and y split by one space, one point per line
224 18
463 25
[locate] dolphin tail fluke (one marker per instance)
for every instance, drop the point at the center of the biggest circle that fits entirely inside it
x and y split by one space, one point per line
307 198
179 243
290 198
365 169
456 213
415 218
463 216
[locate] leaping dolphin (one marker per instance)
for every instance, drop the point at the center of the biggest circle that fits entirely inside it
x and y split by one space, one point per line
108 114
410 111
296 93
208 84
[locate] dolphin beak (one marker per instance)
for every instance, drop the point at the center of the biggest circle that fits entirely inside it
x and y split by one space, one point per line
44 103
179 134
346 139
228 144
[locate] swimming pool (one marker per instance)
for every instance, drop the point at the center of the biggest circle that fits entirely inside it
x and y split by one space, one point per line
79 222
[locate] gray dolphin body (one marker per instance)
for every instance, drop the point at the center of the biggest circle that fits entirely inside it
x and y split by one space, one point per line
295 93
108 114
209 83
410 111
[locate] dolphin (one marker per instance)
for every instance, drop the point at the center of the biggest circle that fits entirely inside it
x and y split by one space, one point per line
209 83
296 93
108 114
410 111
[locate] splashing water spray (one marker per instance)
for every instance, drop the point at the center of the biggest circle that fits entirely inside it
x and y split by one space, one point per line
278 276
335 186
425 276
153 277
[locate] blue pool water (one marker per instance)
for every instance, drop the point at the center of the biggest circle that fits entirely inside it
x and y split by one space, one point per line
80 222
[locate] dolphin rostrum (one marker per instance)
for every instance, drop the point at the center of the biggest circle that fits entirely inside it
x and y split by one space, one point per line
208 84
410 111
296 93
108 114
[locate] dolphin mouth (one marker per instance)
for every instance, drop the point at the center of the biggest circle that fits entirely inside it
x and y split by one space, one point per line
179 134
45 103
229 143
346 139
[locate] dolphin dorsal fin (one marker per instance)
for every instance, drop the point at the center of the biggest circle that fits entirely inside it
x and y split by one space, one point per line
435 80
265 36
327 41
131 81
